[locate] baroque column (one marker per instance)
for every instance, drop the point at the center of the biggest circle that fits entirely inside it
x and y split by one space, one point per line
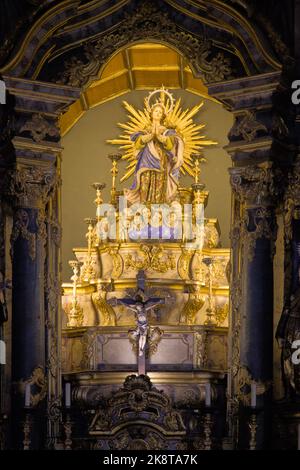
31 186
253 361
34 194
253 228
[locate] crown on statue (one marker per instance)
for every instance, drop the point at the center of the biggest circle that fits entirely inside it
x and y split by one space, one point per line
165 100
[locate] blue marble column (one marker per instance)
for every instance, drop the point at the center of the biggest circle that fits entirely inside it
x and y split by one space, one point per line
253 185
28 240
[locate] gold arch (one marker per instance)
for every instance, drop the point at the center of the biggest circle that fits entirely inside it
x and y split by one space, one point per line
139 67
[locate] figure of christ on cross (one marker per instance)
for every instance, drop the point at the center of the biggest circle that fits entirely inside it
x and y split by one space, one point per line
140 305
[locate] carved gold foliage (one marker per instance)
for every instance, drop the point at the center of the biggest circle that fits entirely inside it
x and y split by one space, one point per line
211 236
152 258
221 313
194 303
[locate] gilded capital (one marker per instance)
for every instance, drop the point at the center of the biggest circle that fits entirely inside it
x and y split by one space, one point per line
32 186
253 185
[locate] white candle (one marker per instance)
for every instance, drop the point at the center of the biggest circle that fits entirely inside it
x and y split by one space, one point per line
68 395
27 395
253 395
299 436
207 395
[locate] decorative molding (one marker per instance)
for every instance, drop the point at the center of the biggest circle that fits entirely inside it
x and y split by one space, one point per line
247 126
152 258
31 186
146 23
252 184
39 127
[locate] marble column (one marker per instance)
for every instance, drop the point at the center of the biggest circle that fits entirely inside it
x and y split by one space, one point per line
30 187
253 187
34 195
251 148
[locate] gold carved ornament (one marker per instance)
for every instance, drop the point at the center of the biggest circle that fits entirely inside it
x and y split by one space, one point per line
152 258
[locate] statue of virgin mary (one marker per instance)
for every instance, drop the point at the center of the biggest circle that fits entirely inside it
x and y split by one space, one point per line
159 154
159 143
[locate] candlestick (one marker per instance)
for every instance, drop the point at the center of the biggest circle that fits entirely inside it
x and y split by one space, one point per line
87 269
27 426
208 395
75 315
114 171
98 201
27 395
253 395
210 311
197 158
68 395
253 430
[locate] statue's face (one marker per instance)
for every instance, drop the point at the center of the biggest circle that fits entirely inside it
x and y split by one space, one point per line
157 113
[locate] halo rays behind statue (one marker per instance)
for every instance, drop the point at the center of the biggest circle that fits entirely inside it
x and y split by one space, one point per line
158 143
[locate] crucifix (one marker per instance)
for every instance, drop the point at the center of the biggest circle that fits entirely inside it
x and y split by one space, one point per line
140 304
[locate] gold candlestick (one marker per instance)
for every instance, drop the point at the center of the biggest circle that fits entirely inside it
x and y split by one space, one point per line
88 272
210 311
114 157
75 317
197 158
253 430
27 428
68 432
98 201
207 429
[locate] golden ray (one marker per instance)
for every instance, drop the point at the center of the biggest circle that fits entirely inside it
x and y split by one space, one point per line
178 119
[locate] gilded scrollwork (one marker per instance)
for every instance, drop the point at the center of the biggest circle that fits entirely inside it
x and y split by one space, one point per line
117 262
221 313
107 316
193 305
183 266
152 258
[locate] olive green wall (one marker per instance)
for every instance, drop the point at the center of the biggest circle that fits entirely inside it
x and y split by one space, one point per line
85 161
